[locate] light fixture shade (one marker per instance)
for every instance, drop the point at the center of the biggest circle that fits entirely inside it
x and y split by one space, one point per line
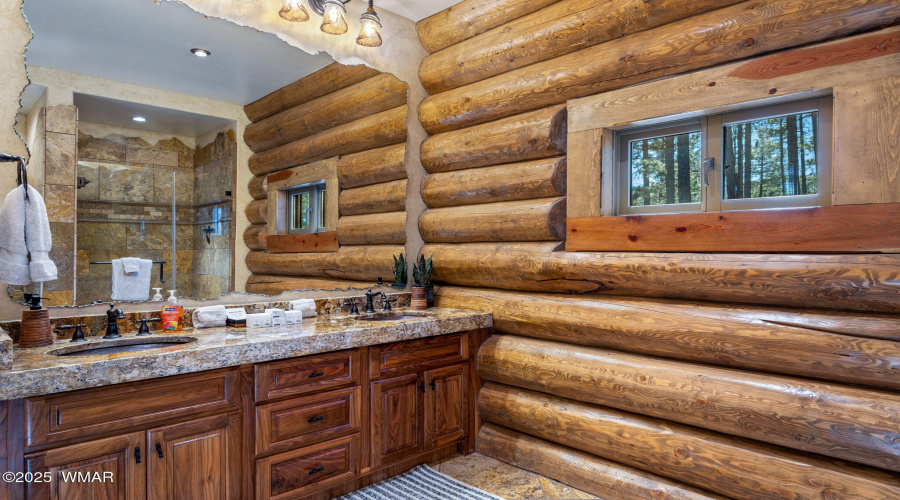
294 11
369 30
333 21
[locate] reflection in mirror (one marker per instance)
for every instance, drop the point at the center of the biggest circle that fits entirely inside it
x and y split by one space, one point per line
135 140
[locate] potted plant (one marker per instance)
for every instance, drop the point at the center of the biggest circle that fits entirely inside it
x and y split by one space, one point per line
422 276
400 272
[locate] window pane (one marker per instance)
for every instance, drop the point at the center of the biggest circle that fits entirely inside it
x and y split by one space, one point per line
322 207
300 210
665 170
771 157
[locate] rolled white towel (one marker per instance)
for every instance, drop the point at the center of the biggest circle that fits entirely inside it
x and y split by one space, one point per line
307 306
209 316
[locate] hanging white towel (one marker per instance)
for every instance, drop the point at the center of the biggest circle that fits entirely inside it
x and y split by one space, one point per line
131 287
131 265
25 239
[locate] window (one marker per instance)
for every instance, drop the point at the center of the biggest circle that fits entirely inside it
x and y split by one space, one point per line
306 208
772 157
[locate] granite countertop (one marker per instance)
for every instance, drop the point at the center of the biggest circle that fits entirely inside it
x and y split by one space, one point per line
36 371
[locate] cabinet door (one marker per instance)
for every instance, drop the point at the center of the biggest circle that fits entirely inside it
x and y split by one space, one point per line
196 460
395 408
445 405
111 468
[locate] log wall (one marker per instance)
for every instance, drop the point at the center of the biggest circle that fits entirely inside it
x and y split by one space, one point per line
357 116
650 375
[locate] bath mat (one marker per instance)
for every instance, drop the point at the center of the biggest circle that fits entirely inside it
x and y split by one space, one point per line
420 483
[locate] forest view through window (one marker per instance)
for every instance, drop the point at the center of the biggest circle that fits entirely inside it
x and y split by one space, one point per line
772 157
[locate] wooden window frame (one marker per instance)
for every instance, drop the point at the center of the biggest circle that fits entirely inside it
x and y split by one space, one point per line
315 190
864 192
278 238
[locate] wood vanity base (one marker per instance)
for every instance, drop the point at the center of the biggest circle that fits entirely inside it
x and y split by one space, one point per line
314 427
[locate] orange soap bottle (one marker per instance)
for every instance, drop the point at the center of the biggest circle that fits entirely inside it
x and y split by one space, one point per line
172 314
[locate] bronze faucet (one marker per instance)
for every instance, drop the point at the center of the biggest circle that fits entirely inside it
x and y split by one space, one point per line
113 315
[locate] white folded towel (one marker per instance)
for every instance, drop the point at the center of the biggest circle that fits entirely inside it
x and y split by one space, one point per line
209 316
25 239
131 265
307 306
131 287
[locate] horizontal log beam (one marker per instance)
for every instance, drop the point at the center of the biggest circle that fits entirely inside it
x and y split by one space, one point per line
257 211
471 17
377 198
373 229
847 282
735 467
375 131
372 167
736 32
357 263
365 98
557 30
606 479
526 220
258 187
516 181
692 331
274 285
328 79
848 228
838 421
255 236
326 241
534 135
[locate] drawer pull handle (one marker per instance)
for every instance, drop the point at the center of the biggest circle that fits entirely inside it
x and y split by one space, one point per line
315 419
159 450
316 374
316 470
137 454
433 386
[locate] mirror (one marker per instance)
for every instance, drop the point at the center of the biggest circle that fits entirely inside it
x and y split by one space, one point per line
136 139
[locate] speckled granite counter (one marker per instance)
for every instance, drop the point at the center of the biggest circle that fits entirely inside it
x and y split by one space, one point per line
36 371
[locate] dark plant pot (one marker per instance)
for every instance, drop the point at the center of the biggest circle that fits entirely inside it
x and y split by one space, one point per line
429 294
398 286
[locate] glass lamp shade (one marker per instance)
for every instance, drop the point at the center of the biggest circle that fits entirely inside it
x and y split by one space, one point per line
333 21
369 33
294 11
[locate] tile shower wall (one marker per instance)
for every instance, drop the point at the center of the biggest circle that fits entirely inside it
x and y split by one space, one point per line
58 124
125 210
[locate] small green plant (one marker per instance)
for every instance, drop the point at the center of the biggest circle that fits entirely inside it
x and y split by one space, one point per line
422 271
400 269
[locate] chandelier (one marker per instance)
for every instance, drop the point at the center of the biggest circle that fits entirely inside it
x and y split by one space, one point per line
333 20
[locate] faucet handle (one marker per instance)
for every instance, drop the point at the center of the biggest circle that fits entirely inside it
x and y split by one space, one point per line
78 334
387 303
353 304
143 329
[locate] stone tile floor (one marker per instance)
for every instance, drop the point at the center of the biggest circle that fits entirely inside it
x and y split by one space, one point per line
506 481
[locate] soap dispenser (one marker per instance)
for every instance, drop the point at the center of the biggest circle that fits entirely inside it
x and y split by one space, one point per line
157 296
35 330
172 314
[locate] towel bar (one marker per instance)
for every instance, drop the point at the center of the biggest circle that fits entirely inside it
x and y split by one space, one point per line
162 268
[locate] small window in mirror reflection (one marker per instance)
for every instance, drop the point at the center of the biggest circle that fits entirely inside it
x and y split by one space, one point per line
306 208
217 216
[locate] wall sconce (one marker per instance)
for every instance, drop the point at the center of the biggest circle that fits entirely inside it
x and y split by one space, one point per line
294 11
333 21
369 25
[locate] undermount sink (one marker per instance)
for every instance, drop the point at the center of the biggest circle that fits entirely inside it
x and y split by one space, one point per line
390 317
122 345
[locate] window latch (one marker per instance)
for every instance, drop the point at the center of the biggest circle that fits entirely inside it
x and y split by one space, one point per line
709 164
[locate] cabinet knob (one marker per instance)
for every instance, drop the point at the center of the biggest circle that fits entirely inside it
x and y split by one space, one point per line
137 454
316 470
315 419
316 374
159 450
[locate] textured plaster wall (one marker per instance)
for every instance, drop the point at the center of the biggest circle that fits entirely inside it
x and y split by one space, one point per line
400 55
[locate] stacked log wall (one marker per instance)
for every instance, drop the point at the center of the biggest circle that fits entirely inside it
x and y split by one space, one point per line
675 375
358 116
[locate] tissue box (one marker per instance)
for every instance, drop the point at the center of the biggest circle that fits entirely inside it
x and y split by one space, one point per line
278 316
261 320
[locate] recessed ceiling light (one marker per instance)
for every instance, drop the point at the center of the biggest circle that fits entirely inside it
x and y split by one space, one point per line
139 119
201 52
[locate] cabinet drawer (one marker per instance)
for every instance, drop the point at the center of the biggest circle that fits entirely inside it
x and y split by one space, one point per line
300 472
411 356
308 420
307 375
112 410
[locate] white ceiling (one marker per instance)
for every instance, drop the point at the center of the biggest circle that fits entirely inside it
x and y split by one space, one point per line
414 9
116 113
142 43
